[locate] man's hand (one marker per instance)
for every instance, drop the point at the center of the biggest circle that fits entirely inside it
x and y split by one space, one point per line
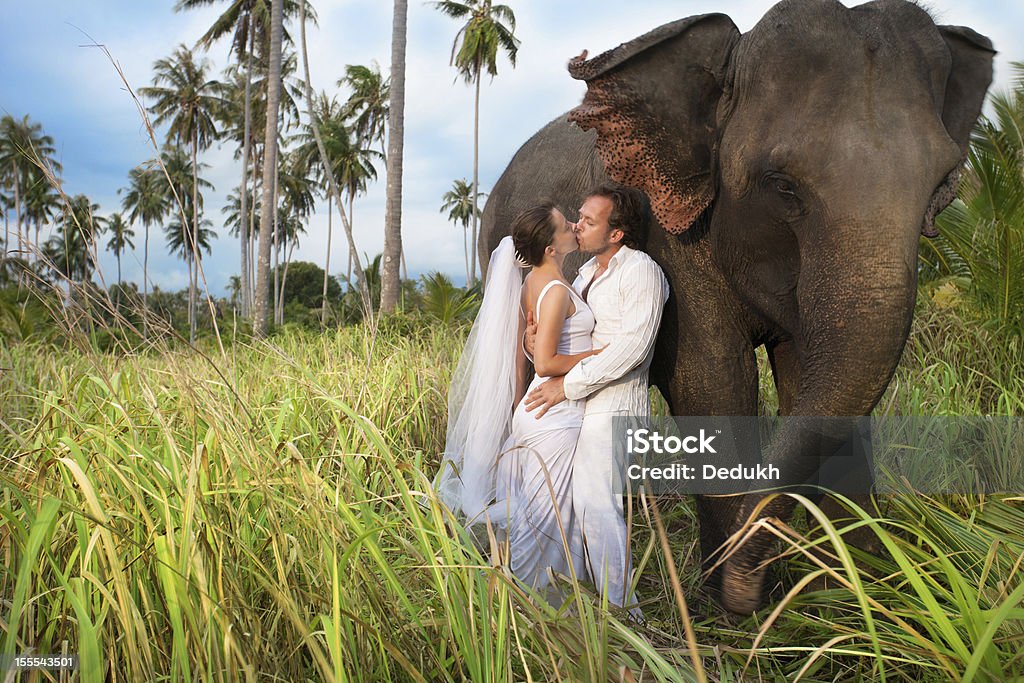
530 338
546 395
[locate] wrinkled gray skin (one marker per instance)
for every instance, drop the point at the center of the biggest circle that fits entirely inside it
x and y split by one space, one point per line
796 165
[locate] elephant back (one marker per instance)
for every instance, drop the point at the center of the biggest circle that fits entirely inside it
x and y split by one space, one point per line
558 163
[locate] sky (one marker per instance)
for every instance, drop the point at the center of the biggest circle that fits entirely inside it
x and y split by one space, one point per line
53 72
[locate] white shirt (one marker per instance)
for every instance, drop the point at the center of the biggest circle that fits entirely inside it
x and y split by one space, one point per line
627 300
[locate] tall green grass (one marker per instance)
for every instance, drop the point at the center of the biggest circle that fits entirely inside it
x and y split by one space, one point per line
266 513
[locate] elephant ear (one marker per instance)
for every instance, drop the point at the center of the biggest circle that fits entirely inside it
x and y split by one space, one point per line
970 74
653 103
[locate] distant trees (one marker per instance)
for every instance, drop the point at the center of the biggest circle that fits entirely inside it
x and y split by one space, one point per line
121 236
187 101
26 157
146 201
459 204
489 29
71 252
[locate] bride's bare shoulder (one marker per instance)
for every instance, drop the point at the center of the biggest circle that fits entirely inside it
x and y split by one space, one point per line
533 285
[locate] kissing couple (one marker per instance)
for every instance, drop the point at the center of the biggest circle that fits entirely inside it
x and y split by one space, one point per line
534 458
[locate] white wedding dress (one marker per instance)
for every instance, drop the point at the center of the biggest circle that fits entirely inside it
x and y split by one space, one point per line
533 490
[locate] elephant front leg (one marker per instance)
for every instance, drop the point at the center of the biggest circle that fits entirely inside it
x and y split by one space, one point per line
849 471
723 384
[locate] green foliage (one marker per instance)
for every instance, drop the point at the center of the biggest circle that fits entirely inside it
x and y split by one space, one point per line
369 102
446 302
977 262
25 318
489 28
305 285
171 500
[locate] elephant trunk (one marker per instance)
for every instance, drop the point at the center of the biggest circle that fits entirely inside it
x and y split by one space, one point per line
856 296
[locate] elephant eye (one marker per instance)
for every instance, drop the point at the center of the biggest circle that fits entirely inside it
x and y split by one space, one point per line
784 187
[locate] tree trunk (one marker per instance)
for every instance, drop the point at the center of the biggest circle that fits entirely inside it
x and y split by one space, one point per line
191 237
279 261
244 233
390 283
17 214
277 253
328 171
476 189
353 257
284 275
269 166
192 296
145 284
253 231
465 249
327 266
17 204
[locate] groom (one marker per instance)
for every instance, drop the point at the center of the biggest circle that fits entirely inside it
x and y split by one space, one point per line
626 290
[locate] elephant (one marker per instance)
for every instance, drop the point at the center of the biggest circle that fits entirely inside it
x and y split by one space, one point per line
791 171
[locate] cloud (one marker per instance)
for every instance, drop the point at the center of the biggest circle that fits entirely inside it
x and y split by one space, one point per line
77 95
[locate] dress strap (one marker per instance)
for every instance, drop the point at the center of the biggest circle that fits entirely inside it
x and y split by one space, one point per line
545 291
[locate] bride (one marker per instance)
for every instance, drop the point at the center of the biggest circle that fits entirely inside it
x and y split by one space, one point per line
502 465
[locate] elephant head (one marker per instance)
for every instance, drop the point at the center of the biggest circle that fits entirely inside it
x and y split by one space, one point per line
818 147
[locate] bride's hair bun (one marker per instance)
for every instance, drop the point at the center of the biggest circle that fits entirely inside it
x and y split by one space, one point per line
532 232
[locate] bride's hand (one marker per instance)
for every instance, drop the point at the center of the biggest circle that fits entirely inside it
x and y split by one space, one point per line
594 352
530 337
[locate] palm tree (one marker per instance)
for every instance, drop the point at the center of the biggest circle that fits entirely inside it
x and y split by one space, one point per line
351 163
325 162
367 107
981 243
446 302
244 19
145 200
248 22
482 36
187 100
235 220
459 204
42 203
332 118
269 168
296 188
121 236
24 149
354 169
182 185
74 244
391 284
188 245
240 18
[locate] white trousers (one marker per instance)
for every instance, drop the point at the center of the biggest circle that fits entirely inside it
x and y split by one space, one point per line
597 503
